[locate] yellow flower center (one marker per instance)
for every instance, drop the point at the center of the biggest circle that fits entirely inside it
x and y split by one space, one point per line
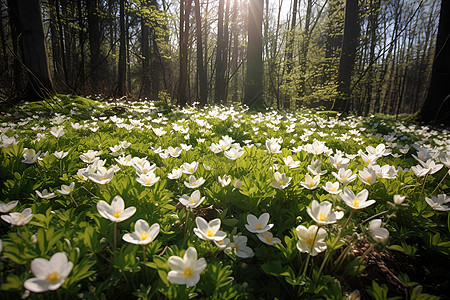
210 232
311 184
144 235
192 201
52 277
338 164
356 202
148 182
333 189
117 213
103 178
236 246
220 242
194 183
369 178
343 178
322 217
280 182
21 217
191 170
224 147
268 239
258 226
187 272
145 171
235 155
310 240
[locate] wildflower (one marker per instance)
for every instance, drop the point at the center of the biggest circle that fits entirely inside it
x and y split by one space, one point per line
66 189
281 181
90 156
175 174
125 160
225 180
379 151
148 179
57 132
30 156
233 153
398 200
378 233
240 245
174 152
49 274
311 240
222 244
189 168
338 161
192 201
186 270
258 225
332 188
311 183
323 214
101 176
159 131
145 168
116 212
369 159
143 233
209 231
356 202
60 154
291 163
367 176
273 146
237 184
268 238
437 203
18 219
193 182
344 176
7 207
45 194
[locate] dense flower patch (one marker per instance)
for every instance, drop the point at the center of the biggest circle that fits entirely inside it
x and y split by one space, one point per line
139 199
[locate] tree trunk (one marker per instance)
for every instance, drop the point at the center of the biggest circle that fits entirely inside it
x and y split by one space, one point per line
436 107
290 51
220 71
122 68
201 71
185 9
347 60
254 79
56 49
94 45
145 52
28 23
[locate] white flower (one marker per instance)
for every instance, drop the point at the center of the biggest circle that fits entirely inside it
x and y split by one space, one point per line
378 233
174 152
30 156
312 238
323 214
311 183
369 159
332 188
281 181
398 200
273 146
291 163
189 168
90 156
192 201
125 160
7 207
145 168
45 194
344 176
222 244
115 212
338 161
175 174
102 176
225 180
193 182
209 231
316 169
379 151
57 132
66 189
148 179
268 238
18 219
240 245
437 203
60 154
233 153
143 233
49 274
367 176
258 225
159 131
237 184
186 270
356 202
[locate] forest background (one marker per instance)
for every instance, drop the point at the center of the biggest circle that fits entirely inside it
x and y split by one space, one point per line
366 56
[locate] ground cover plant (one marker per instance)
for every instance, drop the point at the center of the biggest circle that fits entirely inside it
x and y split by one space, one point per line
104 200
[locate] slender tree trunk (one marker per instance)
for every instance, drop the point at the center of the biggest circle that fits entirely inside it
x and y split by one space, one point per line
122 68
290 51
347 61
201 71
61 40
81 73
220 71
94 45
254 79
185 9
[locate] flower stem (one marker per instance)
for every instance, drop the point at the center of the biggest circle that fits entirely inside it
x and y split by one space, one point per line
115 236
73 200
348 220
310 251
423 186
440 182
144 251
